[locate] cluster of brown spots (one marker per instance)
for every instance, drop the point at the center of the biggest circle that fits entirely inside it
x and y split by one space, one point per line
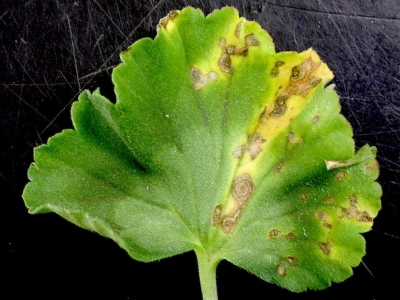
216 218
323 217
279 106
289 236
340 175
229 221
164 21
301 80
301 83
291 260
352 212
199 80
288 262
281 270
242 189
326 247
274 233
275 70
279 167
253 146
224 61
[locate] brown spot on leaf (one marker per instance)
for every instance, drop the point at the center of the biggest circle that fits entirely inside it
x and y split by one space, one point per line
239 150
279 167
238 29
279 106
222 43
227 224
329 199
304 197
242 188
278 111
290 137
274 233
230 49
241 51
274 72
373 166
297 73
254 148
301 80
291 260
314 81
353 200
281 270
281 100
164 21
321 215
251 40
315 120
340 175
352 212
289 236
199 80
349 213
216 218
326 247
264 115
225 63
127 50
365 217
229 221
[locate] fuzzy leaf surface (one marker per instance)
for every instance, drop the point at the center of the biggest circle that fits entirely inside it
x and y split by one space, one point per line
220 145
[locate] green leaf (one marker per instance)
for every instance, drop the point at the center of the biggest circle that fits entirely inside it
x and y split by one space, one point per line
216 144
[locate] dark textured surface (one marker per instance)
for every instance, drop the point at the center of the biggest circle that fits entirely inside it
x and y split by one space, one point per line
51 50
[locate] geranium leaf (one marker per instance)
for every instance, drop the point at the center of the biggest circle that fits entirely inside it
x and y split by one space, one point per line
220 145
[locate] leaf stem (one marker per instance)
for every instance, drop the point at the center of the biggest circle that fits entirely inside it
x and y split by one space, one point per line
207 272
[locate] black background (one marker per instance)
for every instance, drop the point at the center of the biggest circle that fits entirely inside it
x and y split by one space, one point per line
51 50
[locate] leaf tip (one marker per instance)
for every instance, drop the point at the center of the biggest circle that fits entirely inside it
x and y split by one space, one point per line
166 21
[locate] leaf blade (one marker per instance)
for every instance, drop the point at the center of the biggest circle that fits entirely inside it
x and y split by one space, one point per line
220 145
